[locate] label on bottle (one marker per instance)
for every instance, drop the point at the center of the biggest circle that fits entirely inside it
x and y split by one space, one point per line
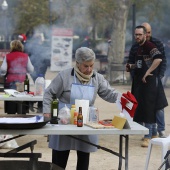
79 122
26 87
55 112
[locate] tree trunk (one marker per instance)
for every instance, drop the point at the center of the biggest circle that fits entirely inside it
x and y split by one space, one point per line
117 46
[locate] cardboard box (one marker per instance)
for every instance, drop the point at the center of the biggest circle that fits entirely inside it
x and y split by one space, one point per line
120 123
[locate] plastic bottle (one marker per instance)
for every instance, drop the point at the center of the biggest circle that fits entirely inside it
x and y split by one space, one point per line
26 84
54 111
39 85
93 114
80 118
73 109
75 117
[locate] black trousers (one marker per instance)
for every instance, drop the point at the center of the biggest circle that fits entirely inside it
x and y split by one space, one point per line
60 158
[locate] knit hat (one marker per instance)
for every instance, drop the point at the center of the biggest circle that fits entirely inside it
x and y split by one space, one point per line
22 37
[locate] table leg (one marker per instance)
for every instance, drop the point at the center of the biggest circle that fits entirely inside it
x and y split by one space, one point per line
126 151
120 151
110 151
19 107
33 164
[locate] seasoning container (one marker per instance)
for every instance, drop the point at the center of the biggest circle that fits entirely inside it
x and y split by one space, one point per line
39 85
75 117
72 110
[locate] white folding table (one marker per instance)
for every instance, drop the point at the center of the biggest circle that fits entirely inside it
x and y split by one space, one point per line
48 129
21 99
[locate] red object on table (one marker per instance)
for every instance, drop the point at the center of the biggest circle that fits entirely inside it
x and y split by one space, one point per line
126 97
31 92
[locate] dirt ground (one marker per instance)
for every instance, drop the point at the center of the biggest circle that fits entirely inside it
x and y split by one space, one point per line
102 160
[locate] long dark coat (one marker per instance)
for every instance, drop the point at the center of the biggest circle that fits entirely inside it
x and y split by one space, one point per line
150 95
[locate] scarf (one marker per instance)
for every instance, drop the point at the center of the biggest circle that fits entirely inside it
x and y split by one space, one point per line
84 79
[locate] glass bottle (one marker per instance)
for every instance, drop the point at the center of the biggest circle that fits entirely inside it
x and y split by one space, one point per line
54 111
26 84
80 118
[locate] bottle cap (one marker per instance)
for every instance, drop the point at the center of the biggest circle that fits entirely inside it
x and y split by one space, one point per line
73 106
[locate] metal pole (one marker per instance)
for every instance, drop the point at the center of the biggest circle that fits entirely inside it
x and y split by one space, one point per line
133 21
50 16
5 45
4 7
50 26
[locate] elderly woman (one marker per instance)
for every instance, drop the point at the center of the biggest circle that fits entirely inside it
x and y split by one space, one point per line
15 66
80 82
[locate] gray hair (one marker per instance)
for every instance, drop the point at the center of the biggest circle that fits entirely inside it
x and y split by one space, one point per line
84 54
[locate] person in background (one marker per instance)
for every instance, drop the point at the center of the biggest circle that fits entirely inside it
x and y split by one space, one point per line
147 86
38 57
86 42
22 38
160 120
167 73
67 86
15 66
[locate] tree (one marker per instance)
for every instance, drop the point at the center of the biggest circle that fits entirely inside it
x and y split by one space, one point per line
119 21
117 46
99 15
30 14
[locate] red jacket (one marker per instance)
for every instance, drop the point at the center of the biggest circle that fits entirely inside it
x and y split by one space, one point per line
17 66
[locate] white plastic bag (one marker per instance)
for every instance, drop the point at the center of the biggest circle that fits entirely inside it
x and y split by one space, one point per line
9 144
64 115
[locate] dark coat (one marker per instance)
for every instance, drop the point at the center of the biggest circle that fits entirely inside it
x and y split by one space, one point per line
150 95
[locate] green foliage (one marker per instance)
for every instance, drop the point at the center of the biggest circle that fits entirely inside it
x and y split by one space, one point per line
148 8
31 13
24 15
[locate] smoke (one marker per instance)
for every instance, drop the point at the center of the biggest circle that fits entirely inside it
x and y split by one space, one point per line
73 15
38 47
6 27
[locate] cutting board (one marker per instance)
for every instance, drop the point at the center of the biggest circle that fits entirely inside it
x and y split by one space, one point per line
98 126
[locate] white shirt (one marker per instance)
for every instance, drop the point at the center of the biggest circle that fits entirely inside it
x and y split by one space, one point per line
3 68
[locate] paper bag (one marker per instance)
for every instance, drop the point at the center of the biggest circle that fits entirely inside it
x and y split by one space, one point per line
85 108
